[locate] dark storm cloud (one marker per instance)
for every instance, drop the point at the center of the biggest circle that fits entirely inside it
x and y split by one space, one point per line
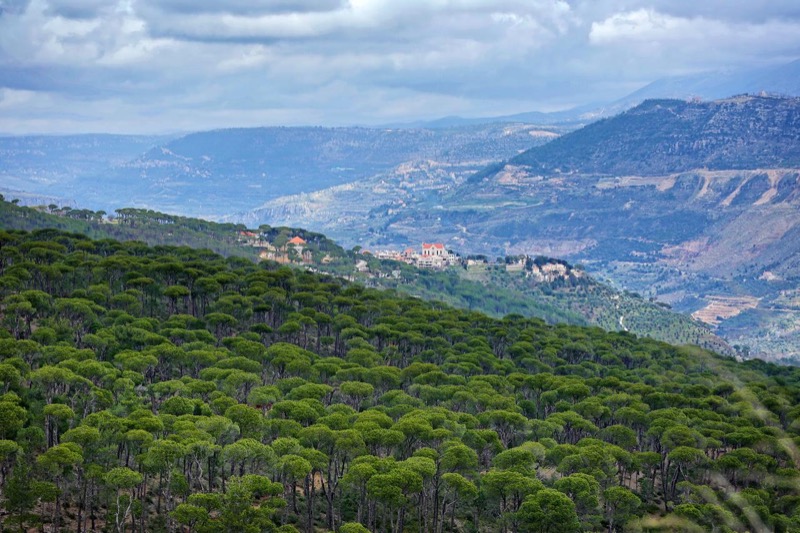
204 63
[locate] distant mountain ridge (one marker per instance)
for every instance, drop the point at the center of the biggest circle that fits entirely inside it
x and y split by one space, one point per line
665 136
53 166
779 80
219 172
783 79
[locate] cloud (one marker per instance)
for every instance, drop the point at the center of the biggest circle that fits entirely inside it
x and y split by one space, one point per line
742 11
694 43
642 24
13 7
12 98
163 63
364 19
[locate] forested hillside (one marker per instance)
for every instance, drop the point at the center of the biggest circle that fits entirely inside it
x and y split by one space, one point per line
153 228
586 303
582 300
165 389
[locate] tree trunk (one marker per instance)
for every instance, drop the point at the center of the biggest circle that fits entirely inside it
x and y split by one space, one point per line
328 489
92 508
160 490
436 526
309 488
57 510
401 519
143 519
372 518
664 468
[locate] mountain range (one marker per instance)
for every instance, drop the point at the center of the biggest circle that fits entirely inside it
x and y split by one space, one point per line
221 172
782 79
52 165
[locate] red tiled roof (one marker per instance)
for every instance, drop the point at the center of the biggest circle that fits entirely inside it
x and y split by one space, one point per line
297 240
428 246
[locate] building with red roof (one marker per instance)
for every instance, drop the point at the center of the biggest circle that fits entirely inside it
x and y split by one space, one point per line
433 248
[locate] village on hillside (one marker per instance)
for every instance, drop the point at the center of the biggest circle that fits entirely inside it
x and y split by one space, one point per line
429 256
285 246
296 250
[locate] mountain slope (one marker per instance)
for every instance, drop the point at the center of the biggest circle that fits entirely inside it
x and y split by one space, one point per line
665 136
782 79
695 203
151 227
549 289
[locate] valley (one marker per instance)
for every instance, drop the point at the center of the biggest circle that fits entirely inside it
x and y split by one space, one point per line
656 221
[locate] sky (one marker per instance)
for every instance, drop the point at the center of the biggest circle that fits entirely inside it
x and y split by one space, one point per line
162 66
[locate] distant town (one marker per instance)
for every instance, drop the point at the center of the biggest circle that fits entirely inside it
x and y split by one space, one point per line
294 250
431 256
283 249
